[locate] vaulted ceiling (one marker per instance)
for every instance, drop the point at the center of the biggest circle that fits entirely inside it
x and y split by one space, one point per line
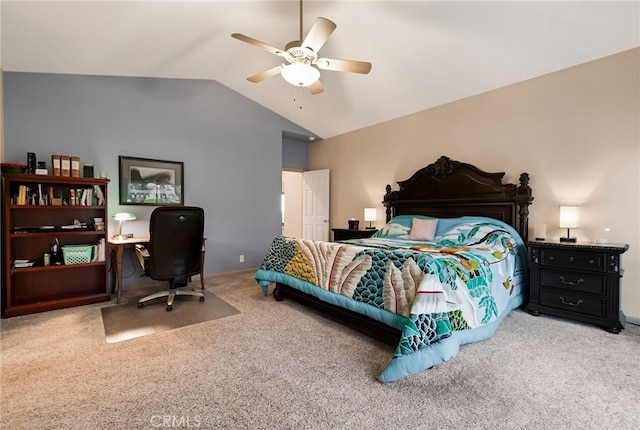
424 53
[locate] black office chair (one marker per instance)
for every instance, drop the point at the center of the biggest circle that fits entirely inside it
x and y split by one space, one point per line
175 251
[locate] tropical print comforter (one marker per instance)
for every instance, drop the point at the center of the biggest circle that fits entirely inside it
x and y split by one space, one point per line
440 294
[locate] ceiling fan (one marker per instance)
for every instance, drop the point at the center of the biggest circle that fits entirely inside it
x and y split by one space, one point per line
302 55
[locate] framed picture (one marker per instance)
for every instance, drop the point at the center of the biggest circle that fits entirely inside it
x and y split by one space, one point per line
151 182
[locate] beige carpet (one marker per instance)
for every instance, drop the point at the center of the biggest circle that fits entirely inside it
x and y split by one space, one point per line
277 366
126 321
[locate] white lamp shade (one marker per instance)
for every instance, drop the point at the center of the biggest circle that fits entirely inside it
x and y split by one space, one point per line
300 74
568 216
370 214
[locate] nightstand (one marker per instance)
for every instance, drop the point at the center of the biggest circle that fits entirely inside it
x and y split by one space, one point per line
345 233
580 281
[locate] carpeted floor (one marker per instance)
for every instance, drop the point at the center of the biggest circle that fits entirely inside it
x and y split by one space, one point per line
275 365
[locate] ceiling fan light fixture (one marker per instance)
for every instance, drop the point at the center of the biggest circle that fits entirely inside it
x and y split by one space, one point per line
300 74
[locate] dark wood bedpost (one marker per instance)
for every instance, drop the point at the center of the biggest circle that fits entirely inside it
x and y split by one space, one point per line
277 292
388 199
525 199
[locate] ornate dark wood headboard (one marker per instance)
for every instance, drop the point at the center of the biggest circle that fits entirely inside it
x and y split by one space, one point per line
448 188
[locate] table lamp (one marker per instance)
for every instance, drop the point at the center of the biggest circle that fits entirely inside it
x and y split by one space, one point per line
371 215
568 220
122 216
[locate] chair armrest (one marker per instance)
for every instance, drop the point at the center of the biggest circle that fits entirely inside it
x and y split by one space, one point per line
143 254
140 249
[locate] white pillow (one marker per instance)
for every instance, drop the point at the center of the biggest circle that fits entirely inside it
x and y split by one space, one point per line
423 229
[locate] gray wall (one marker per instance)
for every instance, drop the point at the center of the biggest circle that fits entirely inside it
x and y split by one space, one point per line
232 148
295 154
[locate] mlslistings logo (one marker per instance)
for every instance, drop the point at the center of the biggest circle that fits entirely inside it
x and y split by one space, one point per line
175 421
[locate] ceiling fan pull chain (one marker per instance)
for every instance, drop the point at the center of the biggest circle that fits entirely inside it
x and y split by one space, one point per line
297 96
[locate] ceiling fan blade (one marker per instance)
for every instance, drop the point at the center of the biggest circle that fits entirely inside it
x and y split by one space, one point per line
343 65
319 33
316 87
259 77
261 45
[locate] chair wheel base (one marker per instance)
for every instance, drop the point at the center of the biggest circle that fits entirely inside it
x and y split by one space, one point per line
169 308
202 299
140 305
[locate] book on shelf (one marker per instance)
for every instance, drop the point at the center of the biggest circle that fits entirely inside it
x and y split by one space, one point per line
55 162
22 195
41 197
49 195
75 167
99 196
65 165
99 250
87 197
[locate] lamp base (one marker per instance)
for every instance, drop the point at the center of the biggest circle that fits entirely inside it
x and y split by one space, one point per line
568 239
122 236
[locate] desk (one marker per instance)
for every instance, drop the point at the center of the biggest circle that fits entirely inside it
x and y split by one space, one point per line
118 249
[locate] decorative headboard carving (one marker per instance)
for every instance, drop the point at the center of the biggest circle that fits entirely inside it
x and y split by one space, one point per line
449 188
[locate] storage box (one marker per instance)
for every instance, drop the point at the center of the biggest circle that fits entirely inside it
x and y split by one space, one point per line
77 254
13 168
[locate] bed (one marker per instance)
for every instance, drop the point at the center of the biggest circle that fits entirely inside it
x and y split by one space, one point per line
448 266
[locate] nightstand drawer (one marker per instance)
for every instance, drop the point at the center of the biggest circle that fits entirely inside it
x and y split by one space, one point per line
573 302
573 259
573 282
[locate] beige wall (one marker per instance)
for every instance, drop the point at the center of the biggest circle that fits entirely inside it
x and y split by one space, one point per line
576 132
292 189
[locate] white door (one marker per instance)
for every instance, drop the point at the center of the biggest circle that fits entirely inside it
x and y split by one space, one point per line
315 203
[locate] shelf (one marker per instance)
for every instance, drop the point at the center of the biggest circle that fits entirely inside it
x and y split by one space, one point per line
34 268
61 233
55 207
53 303
48 179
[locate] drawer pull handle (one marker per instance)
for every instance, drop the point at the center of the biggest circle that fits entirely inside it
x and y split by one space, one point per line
578 303
574 284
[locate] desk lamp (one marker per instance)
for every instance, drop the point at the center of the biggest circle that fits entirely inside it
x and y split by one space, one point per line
122 216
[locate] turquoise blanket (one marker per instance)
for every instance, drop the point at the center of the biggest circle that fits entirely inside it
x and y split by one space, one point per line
440 294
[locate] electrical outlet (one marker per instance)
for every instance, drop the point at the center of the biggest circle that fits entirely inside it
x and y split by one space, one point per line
242 258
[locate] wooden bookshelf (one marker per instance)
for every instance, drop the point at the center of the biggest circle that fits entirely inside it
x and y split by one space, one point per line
29 229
